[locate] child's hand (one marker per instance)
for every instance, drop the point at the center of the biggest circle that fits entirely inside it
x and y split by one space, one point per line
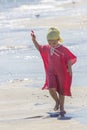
34 40
33 36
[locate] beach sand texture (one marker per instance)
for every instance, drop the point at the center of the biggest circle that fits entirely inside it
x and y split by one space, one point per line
24 108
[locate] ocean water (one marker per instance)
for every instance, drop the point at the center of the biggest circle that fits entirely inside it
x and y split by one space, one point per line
19 60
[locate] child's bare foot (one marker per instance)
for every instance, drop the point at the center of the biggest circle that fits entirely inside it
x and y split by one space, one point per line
56 107
62 113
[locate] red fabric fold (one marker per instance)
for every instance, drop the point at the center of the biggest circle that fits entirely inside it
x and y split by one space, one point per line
44 52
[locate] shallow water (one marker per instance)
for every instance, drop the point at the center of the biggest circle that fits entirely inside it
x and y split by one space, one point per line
19 58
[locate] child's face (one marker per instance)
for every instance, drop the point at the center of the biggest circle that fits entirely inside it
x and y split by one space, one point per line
53 43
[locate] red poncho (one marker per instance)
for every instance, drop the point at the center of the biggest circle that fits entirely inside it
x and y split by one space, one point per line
55 63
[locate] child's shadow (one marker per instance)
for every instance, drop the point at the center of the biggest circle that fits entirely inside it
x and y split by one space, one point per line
32 117
58 116
80 115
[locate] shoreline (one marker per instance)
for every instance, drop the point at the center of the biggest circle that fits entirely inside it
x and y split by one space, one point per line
23 107
62 22
70 21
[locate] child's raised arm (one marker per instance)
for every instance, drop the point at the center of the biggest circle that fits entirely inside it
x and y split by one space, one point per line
34 40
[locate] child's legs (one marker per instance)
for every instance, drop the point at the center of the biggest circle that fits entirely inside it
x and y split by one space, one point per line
56 83
60 83
52 84
54 95
61 100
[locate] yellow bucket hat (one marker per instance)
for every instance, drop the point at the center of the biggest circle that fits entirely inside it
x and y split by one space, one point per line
54 34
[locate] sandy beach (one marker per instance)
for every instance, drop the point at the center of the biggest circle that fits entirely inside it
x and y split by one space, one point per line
24 108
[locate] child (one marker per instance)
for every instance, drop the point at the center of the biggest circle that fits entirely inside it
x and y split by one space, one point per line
58 62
